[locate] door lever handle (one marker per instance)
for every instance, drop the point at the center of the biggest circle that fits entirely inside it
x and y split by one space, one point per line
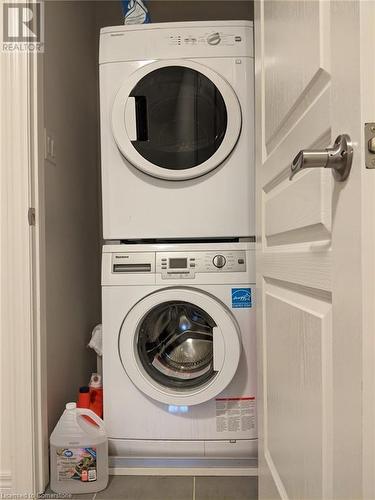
339 158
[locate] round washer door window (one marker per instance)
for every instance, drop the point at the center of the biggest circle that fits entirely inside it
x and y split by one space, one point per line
176 120
180 346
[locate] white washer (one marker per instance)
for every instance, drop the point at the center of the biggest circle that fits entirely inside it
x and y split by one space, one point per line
177 128
179 351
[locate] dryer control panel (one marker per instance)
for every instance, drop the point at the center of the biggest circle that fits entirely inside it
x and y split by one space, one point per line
180 265
205 38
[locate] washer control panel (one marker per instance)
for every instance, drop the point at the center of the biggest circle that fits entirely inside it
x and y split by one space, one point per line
179 265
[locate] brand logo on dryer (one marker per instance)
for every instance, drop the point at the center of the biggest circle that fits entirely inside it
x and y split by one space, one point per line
241 298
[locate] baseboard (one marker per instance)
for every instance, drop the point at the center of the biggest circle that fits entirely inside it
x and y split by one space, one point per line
119 466
5 482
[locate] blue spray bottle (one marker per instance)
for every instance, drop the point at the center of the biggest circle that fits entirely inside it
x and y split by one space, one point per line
135 12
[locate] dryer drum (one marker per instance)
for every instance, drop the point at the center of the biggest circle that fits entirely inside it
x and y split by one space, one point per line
175 344
181 117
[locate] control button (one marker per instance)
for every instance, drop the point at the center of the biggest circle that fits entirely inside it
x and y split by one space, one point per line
192 264
214 39
219 261
241 261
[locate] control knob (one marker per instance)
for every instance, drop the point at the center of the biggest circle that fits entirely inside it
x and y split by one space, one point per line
219 261
214 39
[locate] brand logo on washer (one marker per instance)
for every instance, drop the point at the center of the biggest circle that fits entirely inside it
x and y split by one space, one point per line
241 298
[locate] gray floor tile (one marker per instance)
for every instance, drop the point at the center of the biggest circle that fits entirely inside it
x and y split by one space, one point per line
76 497
226 488
148 488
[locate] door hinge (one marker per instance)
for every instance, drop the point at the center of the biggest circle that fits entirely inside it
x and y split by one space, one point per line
370 145
31 216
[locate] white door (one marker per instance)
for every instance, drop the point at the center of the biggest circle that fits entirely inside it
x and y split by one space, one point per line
175 119
180 346
314 81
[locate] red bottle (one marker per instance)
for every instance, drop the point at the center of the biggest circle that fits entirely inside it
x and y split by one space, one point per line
83 397
96 394
84 400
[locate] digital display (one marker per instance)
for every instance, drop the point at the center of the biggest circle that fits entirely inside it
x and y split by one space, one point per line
177 263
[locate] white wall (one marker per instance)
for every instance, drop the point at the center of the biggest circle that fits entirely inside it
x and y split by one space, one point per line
71 199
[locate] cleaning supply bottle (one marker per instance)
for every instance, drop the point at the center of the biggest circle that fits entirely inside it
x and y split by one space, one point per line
135 12
96 394
78 452
84 401
84 397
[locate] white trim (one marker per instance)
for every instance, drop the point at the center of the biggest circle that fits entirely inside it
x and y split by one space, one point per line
193 471
121 129
120 466
16 263
21 294
41 440
367 23
5 482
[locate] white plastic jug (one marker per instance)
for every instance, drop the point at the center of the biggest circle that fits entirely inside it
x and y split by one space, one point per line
79 452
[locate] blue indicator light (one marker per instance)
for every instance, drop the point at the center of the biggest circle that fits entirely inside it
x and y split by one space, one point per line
177 409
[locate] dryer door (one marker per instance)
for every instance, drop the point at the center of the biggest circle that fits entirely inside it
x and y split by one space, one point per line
176 120
180 346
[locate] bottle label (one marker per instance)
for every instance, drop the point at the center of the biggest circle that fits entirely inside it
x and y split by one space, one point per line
77 464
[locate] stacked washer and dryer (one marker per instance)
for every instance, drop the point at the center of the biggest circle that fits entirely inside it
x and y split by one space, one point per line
178 266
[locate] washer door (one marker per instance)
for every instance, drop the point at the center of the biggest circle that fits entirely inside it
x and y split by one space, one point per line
180 346
176 120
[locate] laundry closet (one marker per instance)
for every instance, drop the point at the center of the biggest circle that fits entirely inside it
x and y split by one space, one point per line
73 193
178 309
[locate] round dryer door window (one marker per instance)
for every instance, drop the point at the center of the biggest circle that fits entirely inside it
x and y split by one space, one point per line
176 120
180 346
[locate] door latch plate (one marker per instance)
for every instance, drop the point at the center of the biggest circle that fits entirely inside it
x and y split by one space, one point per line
31 216
370 145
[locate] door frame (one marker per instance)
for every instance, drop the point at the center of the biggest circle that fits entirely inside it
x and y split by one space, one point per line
23 333
367 64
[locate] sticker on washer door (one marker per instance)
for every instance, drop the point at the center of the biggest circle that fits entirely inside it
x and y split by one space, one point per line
235 414
241 297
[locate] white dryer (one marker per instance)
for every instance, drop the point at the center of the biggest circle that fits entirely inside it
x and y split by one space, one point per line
177 128
179 354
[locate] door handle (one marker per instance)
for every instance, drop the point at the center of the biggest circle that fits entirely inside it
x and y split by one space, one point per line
339 158
218 349
130 119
